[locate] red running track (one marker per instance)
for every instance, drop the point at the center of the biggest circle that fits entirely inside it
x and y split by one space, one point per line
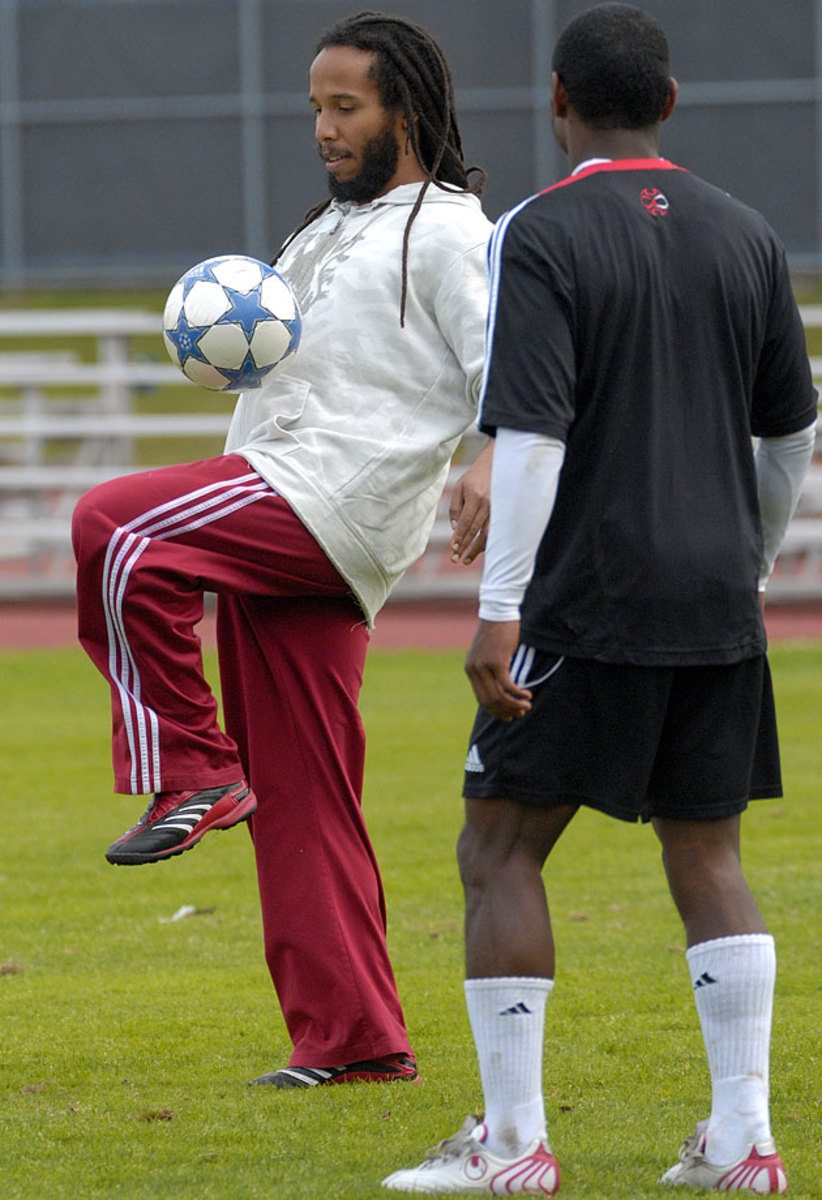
436 625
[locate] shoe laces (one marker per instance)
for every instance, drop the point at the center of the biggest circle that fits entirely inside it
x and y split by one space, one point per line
159 805
458 1144
694 1146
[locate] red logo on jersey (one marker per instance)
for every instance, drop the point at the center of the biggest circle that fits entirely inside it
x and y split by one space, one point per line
655 201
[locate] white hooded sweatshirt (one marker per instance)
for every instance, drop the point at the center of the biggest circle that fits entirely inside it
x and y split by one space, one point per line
356 430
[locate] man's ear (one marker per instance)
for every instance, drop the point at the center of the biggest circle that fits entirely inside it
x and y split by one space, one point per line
671 101
406 131
559 97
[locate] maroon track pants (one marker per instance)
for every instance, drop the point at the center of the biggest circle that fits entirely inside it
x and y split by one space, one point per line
292 644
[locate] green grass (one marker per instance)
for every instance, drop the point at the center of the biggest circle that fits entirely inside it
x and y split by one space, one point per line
126 1040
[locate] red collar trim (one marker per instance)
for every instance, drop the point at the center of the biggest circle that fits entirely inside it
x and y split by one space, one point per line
619 164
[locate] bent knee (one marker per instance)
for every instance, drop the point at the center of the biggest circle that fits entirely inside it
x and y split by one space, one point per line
99 511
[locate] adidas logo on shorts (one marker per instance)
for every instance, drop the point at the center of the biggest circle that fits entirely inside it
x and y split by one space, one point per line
473 762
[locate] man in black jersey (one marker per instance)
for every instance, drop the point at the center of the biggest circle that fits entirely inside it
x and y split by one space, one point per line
642 331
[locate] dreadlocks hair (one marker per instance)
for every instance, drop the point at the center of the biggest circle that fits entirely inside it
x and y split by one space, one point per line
412 77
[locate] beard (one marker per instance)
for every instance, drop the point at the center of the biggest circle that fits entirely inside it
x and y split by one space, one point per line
380 158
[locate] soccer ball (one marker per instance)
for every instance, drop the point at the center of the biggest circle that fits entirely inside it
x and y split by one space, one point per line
229 321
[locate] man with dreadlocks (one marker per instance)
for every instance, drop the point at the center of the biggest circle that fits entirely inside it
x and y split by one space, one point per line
325 495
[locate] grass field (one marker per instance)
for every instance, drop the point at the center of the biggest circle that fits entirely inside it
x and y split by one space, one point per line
126 1039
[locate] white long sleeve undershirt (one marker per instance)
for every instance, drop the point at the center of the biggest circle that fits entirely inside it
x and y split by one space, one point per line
781 466
524 479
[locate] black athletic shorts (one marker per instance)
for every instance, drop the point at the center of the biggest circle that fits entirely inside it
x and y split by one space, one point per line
634 742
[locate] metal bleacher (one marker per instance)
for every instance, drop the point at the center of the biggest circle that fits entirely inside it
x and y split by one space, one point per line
67 424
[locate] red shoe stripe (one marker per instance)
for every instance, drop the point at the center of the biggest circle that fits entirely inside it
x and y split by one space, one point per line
223 814
743 1176
536 1174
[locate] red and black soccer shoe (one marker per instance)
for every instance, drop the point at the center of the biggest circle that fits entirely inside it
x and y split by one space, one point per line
175 821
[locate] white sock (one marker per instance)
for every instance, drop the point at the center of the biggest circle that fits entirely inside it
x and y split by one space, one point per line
507 1018
733 980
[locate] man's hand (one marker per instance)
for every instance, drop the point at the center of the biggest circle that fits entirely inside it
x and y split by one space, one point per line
470 505
487 666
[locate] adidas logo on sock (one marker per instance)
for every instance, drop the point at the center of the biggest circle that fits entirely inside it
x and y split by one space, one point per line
704 980
473 762
515 1010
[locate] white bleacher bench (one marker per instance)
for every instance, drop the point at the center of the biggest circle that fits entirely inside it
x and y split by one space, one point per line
31 359
798 572
46 479
44 372
67 425
802 532
111 425
99 323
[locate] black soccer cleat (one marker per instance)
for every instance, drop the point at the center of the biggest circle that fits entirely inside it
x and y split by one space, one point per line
175 821
373 1070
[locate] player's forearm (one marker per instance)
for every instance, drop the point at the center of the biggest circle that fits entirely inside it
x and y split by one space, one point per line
781 466
524 481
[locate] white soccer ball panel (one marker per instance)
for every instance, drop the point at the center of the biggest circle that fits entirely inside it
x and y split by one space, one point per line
174 303
242 274
206 375
277 296
205 303
225 346
269 343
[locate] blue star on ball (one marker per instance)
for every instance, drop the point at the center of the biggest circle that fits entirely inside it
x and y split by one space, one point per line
245 310
249 374
187 338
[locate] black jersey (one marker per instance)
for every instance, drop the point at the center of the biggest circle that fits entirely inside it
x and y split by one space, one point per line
647 319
